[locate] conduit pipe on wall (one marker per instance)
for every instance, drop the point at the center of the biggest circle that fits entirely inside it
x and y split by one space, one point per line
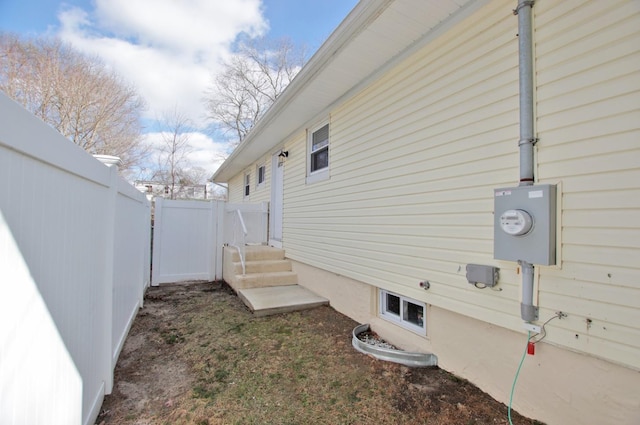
525 60
528 311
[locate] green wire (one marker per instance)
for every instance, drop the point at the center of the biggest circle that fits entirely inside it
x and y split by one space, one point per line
515 379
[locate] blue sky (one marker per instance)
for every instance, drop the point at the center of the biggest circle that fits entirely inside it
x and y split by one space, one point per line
305 21
169 49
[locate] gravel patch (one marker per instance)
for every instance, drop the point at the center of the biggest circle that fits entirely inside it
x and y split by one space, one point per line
372 338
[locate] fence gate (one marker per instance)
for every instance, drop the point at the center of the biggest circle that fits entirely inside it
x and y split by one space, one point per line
187 241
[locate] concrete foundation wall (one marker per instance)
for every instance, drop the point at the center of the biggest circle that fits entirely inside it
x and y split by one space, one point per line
555 385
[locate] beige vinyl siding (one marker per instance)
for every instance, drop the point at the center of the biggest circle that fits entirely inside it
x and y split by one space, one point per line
588 92
256 195
262 194
415 156
236 189
413 161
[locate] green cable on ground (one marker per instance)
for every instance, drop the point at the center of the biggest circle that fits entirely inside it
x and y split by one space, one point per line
515 379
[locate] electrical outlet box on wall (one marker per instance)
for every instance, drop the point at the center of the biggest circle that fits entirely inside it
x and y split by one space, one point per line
525 224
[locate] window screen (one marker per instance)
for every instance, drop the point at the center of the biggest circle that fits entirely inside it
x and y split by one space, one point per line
320 149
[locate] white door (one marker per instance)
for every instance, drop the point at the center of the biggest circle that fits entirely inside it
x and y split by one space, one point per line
275 215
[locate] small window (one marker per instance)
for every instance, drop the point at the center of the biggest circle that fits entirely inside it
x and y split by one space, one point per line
404 311
393 304
260 173
247 185
318 166
320 149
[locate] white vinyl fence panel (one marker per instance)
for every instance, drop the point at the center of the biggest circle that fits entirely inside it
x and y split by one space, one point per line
73 238
246 224
132 260
256 220
187 241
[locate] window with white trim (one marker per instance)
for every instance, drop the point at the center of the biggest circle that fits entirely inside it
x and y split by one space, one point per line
247 184
260 175
406 312
318 159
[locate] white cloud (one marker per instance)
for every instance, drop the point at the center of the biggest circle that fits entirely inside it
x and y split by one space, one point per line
168 49
191 24
204 152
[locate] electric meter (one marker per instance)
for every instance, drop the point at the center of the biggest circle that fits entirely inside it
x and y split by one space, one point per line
524 224
516 222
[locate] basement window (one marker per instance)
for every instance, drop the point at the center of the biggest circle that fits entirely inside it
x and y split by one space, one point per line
404 311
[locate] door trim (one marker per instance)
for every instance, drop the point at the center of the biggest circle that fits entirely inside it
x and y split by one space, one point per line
275 203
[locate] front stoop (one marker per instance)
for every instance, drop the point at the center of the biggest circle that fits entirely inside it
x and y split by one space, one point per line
280 299
269 286
264 266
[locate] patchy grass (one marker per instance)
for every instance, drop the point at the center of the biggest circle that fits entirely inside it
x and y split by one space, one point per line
195 355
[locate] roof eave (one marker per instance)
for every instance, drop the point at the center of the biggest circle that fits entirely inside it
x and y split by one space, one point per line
272 130
361 14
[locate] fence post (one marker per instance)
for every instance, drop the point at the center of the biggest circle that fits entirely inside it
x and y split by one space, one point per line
218 235
211 242
146 271
157 239
265 223
110 230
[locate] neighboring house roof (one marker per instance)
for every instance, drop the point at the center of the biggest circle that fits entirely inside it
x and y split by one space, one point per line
373 37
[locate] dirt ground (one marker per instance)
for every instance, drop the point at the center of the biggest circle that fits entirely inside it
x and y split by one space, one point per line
196 355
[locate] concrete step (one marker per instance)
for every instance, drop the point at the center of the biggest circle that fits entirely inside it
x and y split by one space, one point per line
256 253
263 266
261 280
280 299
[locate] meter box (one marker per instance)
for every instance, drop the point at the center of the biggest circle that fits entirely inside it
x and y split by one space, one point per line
525 224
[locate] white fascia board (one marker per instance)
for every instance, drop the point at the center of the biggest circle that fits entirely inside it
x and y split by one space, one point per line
277 124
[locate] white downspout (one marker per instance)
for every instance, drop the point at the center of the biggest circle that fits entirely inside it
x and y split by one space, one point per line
528 311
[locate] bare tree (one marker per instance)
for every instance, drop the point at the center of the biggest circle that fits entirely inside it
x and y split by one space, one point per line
77 95
174 170
251 81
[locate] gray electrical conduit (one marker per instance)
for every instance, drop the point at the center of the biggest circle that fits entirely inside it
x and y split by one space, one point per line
527 139
528 311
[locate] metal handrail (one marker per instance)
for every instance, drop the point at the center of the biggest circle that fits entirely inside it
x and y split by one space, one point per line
247 224
240 245
244 226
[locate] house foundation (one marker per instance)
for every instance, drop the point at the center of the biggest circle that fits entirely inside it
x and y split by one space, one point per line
556 385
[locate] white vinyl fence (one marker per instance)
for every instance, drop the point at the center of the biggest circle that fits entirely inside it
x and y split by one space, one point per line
255 218
74 255
187 240
188 236
246 224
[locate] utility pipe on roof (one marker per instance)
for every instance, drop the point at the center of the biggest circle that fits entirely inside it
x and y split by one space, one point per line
528 311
